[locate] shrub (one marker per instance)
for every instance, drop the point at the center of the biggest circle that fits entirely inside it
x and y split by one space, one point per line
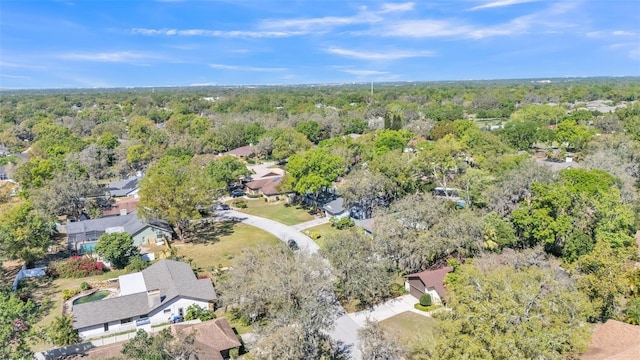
342 223
69 293
76 267
136 264
426 308
315 235
425 300
240 203
85 286
196 312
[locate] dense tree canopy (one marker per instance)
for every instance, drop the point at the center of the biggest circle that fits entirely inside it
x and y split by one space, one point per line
24 233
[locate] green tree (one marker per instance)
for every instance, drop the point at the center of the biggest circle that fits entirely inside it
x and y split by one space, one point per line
575 136
162 346
512 313
24 233
286 142
194 311
117 248
226 170
520 134
174 189
313 170
311 129
16 319
61 331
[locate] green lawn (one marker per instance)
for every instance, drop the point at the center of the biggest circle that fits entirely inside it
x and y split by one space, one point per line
280 212
221 253
325 231
409 328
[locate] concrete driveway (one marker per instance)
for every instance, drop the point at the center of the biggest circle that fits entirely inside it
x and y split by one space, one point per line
388 309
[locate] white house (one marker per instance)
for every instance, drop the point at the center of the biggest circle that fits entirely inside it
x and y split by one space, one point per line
153 296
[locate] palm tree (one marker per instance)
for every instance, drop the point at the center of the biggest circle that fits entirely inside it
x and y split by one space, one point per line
61 331
633 312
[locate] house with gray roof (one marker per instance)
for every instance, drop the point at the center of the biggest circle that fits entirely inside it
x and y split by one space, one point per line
82 235
335 208
157 294
126 187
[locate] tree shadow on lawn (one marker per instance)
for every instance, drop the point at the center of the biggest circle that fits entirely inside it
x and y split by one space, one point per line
209 231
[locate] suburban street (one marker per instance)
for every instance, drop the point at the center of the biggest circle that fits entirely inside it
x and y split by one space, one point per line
346 329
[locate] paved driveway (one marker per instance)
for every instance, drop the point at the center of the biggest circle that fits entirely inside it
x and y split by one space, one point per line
388 309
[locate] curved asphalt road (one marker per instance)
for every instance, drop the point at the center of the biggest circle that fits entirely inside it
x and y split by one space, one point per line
346 330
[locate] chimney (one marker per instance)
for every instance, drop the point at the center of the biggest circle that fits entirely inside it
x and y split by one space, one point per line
153 296
123 212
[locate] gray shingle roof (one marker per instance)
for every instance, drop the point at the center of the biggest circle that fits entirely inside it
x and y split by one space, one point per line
123 187
90 230
336 206
173 278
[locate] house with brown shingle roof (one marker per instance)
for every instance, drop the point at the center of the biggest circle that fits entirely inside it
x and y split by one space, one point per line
213 339
243 151
268 187
614 340
428 281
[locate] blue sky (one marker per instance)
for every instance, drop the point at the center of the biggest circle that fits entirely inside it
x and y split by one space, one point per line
72 43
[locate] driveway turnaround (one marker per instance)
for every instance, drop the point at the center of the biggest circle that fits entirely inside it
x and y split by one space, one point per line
346 330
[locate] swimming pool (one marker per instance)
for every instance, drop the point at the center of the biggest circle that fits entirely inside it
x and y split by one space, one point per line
98 295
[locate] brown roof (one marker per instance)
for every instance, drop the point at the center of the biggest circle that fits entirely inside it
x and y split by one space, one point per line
244 151
268 186
433 279
614 340
212 337
128 203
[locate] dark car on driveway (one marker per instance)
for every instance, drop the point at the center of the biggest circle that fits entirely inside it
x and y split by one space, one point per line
293 245
237 193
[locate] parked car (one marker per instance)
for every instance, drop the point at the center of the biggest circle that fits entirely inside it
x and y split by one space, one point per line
222 206
235 187
237 193
293 245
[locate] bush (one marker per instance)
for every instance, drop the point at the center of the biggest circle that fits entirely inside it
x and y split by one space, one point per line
76 267
196 312
240 203
85 286
315 235
426 308
136 264
69 293
425 300
342 223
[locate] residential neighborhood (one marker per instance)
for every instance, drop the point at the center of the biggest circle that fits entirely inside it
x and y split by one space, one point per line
300 239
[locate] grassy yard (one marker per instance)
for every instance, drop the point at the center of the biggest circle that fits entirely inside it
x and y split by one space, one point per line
325 230
280 212
221 253
409 328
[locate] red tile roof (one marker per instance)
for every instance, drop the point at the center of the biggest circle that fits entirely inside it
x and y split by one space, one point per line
433 279
614 340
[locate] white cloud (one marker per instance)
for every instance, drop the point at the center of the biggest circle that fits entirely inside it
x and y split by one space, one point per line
500 3
246 68
396 7
360 72
120 56
20 77
391 55
624 33
320 24
214 33
426 28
